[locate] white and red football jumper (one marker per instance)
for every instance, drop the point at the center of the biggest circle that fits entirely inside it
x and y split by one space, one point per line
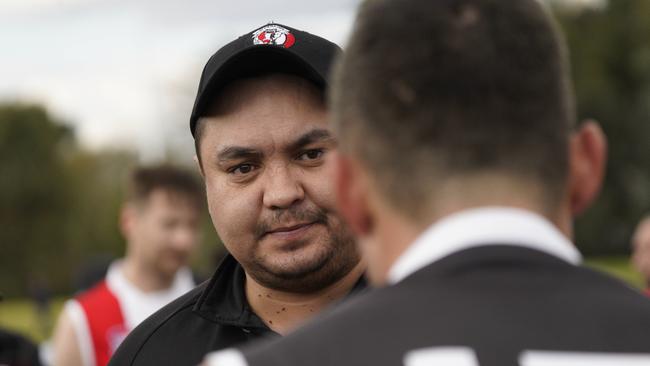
105 314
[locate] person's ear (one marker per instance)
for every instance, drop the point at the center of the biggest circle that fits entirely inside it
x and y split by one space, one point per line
197 161
352 194
127 219
588 156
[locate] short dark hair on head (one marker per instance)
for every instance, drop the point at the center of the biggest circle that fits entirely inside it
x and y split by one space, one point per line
145 180
198 136
429 90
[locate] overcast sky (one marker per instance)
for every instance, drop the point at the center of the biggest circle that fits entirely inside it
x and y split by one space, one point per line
124 72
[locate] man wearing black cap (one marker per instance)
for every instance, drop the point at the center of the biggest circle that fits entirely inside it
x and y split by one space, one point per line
460 168
263 144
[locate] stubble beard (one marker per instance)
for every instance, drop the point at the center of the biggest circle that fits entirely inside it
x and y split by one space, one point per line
336 257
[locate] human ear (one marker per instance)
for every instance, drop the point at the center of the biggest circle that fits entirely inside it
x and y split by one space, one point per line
197 161
127 219
587 161
352 194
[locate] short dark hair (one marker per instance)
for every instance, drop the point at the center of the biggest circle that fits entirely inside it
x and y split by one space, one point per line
145 180
429 90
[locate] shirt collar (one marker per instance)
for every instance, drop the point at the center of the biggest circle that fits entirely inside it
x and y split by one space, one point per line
117 281
224 299
480 227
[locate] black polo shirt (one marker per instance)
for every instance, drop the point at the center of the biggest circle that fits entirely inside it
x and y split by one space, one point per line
213 316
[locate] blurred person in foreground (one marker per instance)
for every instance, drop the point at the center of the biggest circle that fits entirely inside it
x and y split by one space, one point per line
16 350
263 146
160 221
460 169
641 251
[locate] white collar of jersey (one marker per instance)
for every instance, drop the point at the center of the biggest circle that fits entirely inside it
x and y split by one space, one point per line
116 280
480 227
136 304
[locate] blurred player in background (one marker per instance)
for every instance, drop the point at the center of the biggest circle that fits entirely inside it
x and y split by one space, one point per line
160 221
641 251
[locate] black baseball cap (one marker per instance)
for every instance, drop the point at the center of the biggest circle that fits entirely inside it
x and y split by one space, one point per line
273 48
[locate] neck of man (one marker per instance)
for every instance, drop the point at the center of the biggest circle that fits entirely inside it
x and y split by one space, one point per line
145 278
283 311
395 233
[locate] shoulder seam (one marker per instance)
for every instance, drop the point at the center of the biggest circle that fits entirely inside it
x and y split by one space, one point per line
154 330
187 304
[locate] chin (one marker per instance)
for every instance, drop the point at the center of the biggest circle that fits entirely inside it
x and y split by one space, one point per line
298 269
297 263
301 275
170 269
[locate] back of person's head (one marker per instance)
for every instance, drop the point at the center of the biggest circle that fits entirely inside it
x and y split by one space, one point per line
174 181
430 92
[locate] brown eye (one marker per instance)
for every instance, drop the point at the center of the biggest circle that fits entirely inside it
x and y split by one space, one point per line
242 169
311 154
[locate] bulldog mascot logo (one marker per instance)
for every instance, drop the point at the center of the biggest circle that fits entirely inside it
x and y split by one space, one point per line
274 34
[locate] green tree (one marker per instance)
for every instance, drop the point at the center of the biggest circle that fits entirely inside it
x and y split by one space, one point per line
33 193
59 203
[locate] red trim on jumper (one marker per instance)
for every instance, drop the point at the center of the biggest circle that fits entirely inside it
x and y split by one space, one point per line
105 321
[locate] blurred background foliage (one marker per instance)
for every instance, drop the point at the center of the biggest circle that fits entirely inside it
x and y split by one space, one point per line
59 203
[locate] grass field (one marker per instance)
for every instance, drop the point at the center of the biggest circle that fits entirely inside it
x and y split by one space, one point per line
20 315
619 267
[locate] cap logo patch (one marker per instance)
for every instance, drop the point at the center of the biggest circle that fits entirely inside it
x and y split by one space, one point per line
275 35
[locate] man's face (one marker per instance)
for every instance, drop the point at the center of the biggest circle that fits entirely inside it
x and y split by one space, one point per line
163 230
641 246
264 157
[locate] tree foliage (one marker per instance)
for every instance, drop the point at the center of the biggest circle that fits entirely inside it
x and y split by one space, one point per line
58 203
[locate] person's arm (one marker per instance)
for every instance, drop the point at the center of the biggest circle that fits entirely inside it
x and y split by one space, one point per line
65 342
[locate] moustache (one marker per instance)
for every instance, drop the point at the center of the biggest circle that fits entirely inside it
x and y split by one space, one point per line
289 216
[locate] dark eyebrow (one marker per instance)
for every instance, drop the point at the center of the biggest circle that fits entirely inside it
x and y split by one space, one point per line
311 137
237 152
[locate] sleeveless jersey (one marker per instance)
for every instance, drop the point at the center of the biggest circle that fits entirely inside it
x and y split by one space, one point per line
104 315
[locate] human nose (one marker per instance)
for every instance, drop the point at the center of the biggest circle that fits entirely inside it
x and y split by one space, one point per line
283 188
185 237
